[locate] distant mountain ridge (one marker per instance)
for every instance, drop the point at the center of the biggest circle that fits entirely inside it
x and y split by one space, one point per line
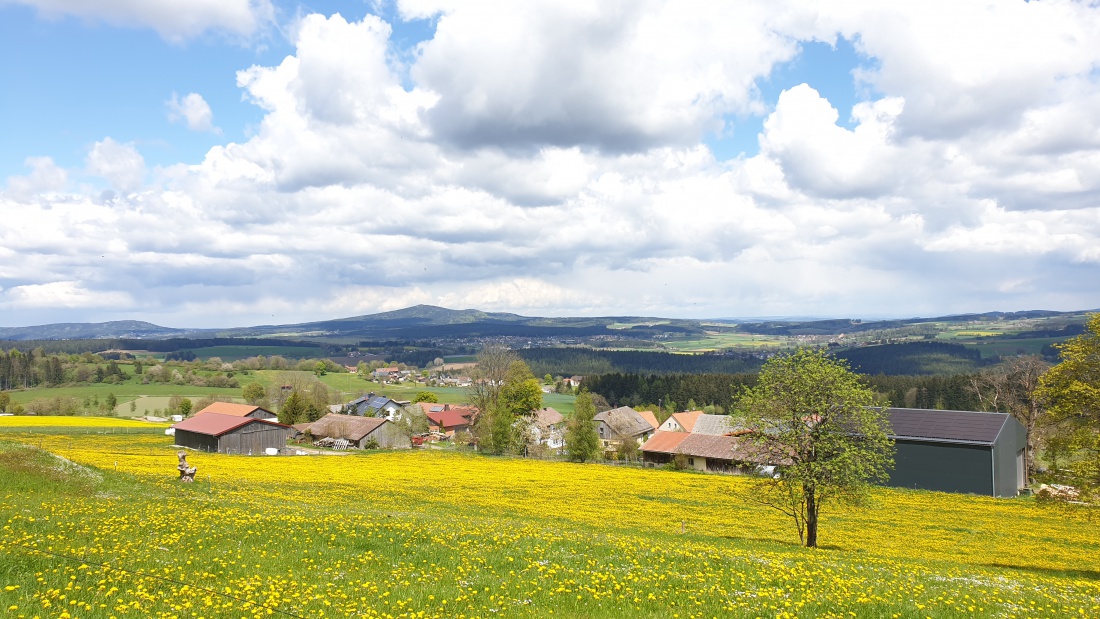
135 329
429 321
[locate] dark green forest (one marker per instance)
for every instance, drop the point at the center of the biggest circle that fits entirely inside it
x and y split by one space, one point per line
585 361
623 389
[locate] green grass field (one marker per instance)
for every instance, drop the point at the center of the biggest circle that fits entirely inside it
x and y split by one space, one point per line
1008 346
715 341
124 392
233 353
108 532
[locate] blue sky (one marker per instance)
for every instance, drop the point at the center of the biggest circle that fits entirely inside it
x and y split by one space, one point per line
189 163
73 80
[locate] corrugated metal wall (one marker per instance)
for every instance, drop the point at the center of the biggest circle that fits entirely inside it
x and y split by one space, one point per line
942 466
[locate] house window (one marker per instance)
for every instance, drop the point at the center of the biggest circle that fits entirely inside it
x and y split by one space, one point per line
691 461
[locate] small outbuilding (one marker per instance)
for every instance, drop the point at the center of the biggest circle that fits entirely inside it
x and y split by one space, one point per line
361 431
957 451
230 434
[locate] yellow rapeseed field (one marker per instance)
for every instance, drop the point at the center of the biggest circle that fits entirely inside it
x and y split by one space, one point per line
431 534
31 421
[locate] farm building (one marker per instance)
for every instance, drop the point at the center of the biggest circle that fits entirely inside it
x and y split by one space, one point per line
957 451
703 452
239 410
361 431
624 422
230 434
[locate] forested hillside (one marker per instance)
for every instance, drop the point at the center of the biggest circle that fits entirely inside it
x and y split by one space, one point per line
939 392
913 358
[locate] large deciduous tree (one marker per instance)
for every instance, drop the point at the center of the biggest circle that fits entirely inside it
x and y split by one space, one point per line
504 391
813 417
1071 391
1013 387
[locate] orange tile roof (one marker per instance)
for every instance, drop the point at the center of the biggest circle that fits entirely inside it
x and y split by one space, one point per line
651 418
230 408
664 442
688 419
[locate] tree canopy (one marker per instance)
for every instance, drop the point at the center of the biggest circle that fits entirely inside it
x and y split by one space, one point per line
813 417
1071 391
581 441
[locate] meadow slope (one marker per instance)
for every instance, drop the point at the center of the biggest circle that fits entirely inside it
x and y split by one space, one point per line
108 532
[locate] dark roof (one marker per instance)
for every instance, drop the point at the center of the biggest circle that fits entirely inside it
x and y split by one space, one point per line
351 427
625 421
217 424
715 424
965 427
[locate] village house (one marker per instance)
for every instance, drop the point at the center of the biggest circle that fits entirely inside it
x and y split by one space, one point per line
623 423
547 428
361 432
372 405
680 422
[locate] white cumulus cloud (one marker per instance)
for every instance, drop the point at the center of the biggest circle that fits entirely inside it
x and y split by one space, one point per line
193 110
120 164
45 176
175 20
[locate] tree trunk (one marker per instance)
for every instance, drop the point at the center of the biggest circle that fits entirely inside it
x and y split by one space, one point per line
811 518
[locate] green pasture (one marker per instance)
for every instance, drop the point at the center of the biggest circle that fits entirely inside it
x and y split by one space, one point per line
715 341
235 353
1006 346
125 392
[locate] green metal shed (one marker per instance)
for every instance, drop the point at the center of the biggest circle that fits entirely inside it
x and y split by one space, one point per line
957 451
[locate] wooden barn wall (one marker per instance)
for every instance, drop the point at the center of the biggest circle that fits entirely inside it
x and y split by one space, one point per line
253 438
194 440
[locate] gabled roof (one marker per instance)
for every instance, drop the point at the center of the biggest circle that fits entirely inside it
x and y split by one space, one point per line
625 421
714 424
710 446
217 424
448 418
687 419
236 410
351 427
731 448
547 417
651 418
963 427
664 442
431 407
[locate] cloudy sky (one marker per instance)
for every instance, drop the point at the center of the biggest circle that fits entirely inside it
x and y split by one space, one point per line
232 162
